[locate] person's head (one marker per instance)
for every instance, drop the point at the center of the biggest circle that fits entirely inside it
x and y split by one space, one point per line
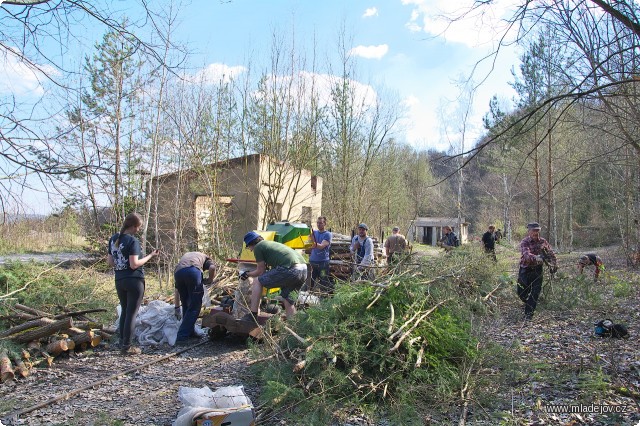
208 263
446 229
584 260
251 239
131 225
492 228
533 229
395 230
321 222
362 229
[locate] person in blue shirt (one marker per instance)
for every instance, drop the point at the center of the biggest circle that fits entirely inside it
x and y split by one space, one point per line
124 256
362 248
319 257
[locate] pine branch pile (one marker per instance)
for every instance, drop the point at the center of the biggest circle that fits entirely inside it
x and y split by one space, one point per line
378 346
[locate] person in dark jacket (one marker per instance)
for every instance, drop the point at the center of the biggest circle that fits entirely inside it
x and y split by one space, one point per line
188 275
489 242
534 250
124 256
449 240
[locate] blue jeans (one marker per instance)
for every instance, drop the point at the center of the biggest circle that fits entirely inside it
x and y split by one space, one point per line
320 278
191 290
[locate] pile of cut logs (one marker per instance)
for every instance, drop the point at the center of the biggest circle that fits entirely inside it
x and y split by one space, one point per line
46 336
341 259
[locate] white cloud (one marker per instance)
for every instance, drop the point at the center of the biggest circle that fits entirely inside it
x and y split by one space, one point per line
216 73
372 11
458 22
370 52
17 78
421 124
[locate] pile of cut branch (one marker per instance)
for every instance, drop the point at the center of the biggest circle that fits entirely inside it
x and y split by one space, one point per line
43 336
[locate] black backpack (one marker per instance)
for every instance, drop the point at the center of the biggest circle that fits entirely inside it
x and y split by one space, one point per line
606 328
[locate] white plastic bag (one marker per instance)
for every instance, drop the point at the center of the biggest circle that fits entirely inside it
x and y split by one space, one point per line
199 402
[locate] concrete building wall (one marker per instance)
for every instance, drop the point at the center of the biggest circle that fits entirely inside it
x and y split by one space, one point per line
228 199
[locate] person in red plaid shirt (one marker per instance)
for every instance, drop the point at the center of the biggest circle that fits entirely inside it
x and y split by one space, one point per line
534 250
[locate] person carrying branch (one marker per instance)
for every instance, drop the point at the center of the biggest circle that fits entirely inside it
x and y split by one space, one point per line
189 283
535 252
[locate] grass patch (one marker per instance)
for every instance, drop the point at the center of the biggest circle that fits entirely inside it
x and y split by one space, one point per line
51 235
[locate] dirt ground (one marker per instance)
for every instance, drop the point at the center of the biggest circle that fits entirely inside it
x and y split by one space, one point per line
554 360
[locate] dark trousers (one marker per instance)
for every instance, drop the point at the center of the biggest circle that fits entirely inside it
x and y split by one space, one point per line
320 276
191 290
491 253
130 293
529 287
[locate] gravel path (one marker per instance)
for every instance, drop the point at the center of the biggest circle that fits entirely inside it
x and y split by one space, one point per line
145 397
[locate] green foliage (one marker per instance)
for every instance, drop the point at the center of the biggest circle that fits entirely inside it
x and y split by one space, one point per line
57 288
56 233
353 358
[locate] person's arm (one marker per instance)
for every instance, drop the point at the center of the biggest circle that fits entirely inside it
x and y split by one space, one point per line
261 267
387 244
528 258
176 298
322 245
135 262
212 273
355 245
110 260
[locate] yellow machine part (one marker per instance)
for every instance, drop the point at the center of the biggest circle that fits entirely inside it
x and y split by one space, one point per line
247 255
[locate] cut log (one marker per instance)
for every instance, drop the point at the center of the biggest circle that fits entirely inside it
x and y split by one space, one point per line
44 331
21 370
6 371
87 325
78 313
104 335
32 311
71 344
27 325
57 347
110 330
88 337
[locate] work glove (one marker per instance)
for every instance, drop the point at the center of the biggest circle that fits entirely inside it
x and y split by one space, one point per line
177 312
244 276
539 259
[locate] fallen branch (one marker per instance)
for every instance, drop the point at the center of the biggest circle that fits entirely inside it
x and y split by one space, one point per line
413 327
293 333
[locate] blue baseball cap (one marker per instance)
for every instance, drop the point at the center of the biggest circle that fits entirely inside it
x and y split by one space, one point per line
250 237
363 226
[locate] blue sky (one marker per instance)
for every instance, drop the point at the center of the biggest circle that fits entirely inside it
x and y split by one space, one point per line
400 46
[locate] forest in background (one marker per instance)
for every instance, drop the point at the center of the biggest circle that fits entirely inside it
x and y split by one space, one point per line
564 152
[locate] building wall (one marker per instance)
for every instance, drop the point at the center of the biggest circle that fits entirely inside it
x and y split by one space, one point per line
298 193
235 192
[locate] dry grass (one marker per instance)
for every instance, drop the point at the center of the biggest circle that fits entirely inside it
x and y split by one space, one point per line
40 236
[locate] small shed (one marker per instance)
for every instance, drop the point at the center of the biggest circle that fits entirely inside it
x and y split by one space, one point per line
428 230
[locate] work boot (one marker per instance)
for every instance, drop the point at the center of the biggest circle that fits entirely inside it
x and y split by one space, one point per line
130 350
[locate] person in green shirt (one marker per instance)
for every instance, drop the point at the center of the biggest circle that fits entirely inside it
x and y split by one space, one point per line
288 271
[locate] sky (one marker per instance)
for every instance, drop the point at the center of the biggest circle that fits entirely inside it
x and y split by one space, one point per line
402 48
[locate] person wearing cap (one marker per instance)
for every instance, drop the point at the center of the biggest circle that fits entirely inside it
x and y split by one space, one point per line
362 248
189 283
395 246
449 240
534 251
489 242
319 257
288 272
591 259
